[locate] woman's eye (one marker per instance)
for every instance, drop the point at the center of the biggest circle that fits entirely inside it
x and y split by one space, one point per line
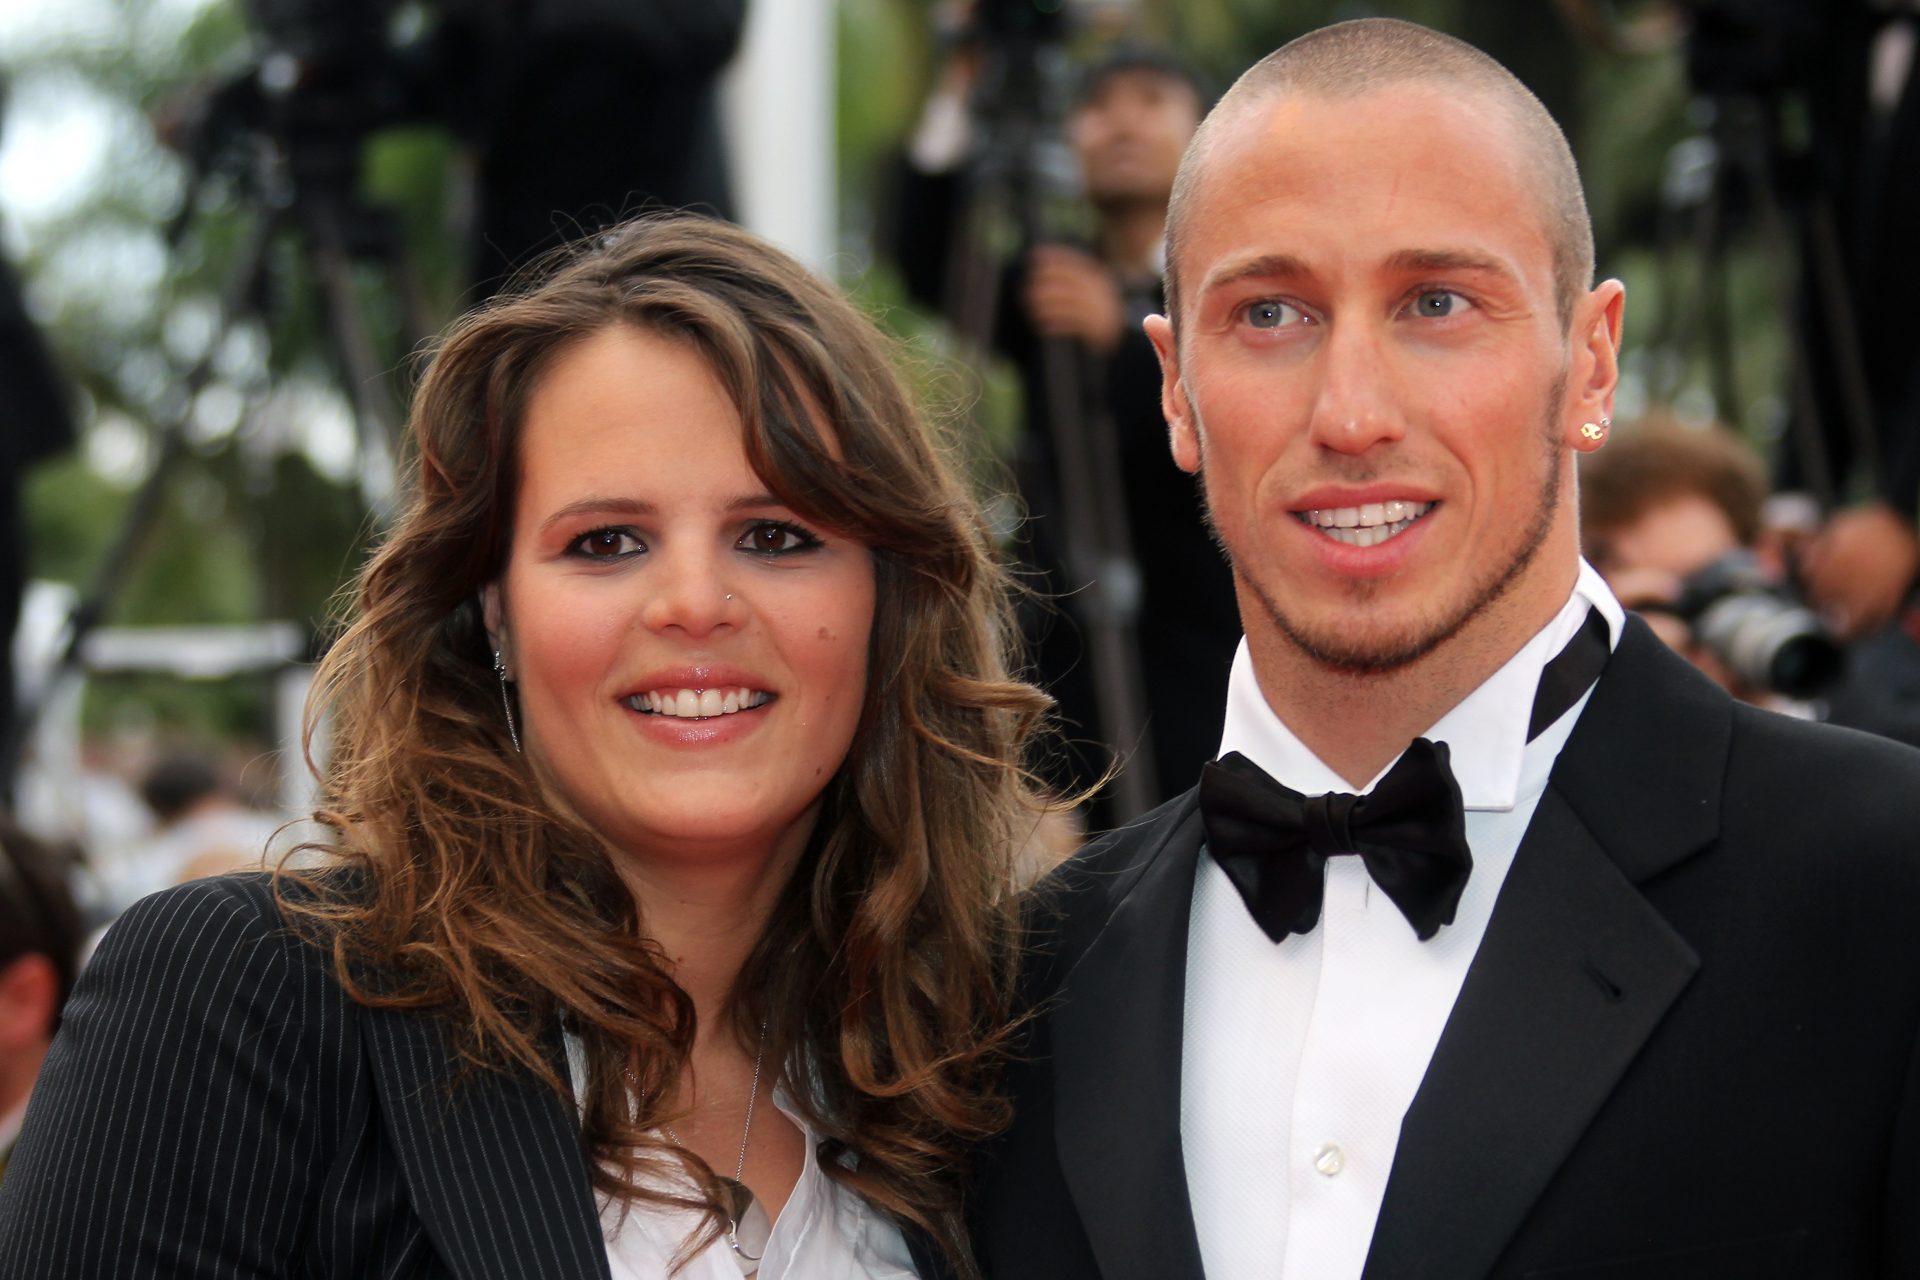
1437 304
776 538
606 544
1269 314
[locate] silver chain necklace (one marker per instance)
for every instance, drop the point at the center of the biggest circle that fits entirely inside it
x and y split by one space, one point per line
748 1226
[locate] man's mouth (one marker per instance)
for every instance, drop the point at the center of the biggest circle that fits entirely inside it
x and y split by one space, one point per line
1365 526
696 704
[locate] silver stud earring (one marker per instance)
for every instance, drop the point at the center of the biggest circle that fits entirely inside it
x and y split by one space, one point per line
506 702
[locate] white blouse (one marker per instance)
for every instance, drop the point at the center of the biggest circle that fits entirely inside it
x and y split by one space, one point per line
825 1231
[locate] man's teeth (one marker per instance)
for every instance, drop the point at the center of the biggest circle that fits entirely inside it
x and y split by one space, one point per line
696 703
1367 525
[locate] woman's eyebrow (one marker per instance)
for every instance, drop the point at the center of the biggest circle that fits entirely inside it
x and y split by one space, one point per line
596 505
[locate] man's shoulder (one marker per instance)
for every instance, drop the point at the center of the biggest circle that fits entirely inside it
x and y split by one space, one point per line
1067 910
1776 759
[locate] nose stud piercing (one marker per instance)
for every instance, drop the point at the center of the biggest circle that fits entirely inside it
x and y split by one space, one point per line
1596 431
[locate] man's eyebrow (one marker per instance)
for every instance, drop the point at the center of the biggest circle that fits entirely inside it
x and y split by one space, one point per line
1268 266
595 504
1414 261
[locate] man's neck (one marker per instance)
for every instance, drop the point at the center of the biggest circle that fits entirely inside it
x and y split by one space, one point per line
1130 235
1357 724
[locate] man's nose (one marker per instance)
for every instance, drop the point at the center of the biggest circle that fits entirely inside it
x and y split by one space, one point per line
1358 404
690 592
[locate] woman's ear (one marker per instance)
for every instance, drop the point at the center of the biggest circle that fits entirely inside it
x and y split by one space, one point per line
493 617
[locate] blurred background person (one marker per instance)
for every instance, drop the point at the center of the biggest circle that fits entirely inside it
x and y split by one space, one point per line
201 827
1131 113
1849 67
41 934
36 422
1680 522
582 112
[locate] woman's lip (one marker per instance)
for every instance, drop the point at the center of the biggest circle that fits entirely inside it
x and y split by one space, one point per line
697 678
698 731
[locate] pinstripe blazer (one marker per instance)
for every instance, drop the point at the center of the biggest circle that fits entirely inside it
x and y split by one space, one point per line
215 1105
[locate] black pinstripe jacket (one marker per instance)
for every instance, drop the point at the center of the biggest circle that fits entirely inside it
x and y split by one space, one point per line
215 1105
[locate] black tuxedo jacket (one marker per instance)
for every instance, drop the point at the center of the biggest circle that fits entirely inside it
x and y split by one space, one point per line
1685 1048
215 1105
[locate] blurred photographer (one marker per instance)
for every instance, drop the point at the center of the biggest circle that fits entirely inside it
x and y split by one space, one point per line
1677 520
1128 120
41 932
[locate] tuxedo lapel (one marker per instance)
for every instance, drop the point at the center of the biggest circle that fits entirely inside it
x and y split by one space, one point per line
1116 1037
1575 972
493 1163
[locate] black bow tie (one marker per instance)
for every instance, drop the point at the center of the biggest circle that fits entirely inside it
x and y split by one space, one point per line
1410 830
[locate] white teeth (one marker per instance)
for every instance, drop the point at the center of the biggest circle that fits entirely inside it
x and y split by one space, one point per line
696 704
1367 525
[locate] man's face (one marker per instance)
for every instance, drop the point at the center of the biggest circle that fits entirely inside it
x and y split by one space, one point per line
1373 378
1129 134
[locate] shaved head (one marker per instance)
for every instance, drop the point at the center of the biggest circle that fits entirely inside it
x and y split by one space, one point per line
1350 59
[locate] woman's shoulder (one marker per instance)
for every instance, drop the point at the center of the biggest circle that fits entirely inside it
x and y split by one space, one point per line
216 922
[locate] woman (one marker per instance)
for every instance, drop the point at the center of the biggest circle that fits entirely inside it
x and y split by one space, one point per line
675 784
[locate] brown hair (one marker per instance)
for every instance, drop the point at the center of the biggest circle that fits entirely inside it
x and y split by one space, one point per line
884 971
1652 463
1351 58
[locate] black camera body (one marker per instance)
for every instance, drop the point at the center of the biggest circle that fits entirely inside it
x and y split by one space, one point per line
1758 629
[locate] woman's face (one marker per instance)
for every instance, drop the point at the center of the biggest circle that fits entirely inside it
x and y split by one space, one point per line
691 656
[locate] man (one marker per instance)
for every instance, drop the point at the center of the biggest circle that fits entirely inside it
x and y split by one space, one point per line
1666 1026
1132 114
41 933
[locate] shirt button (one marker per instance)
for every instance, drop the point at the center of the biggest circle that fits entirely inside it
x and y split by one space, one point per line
1329 1160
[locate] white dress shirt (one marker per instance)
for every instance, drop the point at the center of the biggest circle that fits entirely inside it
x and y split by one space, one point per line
825 1231
1301 1058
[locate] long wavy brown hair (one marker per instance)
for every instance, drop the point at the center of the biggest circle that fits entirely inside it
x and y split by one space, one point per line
884 972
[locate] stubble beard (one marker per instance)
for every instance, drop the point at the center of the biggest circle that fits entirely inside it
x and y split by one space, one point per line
1345 650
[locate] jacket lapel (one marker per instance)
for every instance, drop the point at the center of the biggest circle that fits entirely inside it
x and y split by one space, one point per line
493 1163
1116 1038
1575 972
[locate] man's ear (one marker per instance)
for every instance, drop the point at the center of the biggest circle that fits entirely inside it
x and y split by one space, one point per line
1183 439
1594 370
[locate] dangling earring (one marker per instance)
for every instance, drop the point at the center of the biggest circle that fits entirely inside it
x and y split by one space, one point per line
506 702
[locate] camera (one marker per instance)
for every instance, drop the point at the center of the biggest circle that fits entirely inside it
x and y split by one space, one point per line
1759 630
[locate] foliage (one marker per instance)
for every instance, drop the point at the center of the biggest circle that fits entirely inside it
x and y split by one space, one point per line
263 519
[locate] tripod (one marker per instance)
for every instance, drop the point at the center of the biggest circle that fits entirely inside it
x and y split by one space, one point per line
1741 158
1011 181
291 192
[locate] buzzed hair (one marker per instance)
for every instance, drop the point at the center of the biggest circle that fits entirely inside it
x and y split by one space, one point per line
1352 58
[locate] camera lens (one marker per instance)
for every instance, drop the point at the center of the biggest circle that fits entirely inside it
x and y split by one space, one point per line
1770 643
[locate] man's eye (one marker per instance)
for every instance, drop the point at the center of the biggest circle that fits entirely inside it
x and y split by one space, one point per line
776 538
1437 304
606 544
1269 314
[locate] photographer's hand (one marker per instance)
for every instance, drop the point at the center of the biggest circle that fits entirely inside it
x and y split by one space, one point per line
1860 566
1071 294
